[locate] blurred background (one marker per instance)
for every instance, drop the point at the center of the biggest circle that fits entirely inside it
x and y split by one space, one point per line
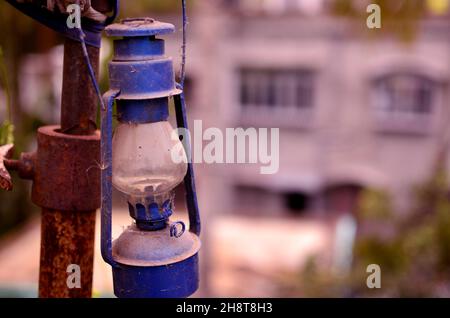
364 123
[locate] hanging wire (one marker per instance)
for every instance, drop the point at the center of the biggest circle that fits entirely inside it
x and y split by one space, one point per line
90 68
81 37
183 45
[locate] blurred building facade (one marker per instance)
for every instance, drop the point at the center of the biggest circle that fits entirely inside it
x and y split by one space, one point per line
354 111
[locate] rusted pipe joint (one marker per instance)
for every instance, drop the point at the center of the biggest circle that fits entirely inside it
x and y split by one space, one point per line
24 166
67 171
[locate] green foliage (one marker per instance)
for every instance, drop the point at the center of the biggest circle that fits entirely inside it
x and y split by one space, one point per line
442 236
6 128
389 255
432 194
374 204
416 261
6 133
314 282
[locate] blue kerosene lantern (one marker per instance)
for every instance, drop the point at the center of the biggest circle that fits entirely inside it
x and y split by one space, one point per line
153 257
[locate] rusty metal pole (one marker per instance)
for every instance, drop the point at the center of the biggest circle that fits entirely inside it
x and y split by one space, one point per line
67 236
79 100
65 171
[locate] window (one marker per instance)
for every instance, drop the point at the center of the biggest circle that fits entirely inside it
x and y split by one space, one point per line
269 89
404 102
404 94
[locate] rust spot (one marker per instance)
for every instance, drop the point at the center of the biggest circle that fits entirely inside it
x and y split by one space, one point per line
67 238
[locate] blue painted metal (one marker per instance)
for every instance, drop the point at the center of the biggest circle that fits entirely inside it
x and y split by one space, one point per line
152 216
58 22
106 176
137 54
143 111
155 263
138 48
135 247
149 259
189 179
183 45
174 231
139 27
181 114
177 280
134 82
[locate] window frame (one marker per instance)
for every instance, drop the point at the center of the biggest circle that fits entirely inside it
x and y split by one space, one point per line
282 106
398 117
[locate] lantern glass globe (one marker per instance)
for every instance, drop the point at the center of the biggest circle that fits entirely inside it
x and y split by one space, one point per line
143 164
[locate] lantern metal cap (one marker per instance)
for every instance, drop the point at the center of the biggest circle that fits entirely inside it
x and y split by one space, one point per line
135 27
135 247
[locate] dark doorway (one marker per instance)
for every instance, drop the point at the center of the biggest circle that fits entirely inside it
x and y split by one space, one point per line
296 202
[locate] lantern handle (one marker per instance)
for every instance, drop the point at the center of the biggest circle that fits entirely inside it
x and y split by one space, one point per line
189 179
106 176
180 111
